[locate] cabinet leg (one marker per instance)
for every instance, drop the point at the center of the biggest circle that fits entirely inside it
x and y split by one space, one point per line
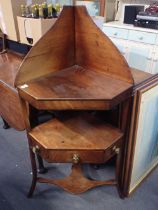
5 124
34 174
41 168
117 172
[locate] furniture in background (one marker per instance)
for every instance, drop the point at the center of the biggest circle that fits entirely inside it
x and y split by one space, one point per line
31 29
138 45
64 73
10 106
8 21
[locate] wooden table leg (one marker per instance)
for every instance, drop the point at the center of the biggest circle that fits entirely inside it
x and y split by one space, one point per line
41 168
5 124
34 114
34 173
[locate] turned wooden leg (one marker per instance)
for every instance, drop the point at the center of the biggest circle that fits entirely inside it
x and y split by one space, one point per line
5 125
34 173
34 113
41 168
117 171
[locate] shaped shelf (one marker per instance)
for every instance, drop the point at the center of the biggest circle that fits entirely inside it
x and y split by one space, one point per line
72 87
74 66
83 134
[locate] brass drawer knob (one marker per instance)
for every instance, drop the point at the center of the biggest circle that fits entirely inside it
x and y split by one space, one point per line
75 158
116 150
35 149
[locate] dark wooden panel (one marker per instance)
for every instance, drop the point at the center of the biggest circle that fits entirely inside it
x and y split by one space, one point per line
76 132
9 64
74 87
76 83
10 107
95 51
140 76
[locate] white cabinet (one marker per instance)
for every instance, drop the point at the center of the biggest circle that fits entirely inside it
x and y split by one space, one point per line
155 58
116 32
139 46
155 61
139 56
142 37
121 46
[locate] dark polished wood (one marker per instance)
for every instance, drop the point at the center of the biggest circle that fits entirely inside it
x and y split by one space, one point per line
53 52
78 134
9 65
73 139
140 76
76 67
95 51
10 107
74 87
79 66
71 185
68 43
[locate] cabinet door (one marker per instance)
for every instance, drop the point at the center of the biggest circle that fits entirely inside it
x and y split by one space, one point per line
140 56
155 62
121 45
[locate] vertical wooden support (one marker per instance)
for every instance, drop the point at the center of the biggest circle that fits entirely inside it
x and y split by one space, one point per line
124 125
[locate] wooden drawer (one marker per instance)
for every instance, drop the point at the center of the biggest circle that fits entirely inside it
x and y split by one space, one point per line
116 32
82 135
139 36
67 156
84 156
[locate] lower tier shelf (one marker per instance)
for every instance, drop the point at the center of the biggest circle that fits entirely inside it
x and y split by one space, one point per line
82 138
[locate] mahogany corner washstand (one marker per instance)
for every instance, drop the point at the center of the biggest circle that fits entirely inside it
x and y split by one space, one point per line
75 67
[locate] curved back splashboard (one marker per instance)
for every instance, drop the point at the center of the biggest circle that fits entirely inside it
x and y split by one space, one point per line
74 40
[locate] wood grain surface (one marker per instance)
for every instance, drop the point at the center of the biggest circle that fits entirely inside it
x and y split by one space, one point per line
96 51
53 52
72 87
74 39
9 64
10 107
83 132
